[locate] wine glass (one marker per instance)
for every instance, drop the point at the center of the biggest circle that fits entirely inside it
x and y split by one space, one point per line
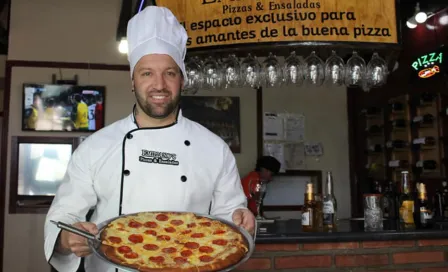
257 190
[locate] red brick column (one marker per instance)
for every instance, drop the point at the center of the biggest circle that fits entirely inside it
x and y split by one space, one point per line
398 256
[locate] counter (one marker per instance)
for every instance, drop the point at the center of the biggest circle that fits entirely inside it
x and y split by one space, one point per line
285 247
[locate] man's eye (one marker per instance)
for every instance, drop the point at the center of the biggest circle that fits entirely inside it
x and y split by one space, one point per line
146 74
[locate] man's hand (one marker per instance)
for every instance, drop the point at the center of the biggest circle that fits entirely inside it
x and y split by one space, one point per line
73 243
244 218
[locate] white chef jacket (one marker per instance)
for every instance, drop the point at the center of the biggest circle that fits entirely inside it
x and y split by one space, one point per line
180 167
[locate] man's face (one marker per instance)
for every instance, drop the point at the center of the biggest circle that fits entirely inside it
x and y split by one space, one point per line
265 174
157 82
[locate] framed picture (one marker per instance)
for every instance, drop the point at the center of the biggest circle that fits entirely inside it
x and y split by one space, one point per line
38 166
220 114
50 107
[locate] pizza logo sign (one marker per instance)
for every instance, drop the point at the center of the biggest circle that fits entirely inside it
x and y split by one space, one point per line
428 65
158 157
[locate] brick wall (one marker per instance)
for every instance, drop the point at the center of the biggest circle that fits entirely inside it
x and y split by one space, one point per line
398 256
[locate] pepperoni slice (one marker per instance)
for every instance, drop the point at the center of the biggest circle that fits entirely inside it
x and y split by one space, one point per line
115 240
170 229
186 253
220 242
177 222
163 238
197 235
135 238
162 217
205 224
217 232
192 245
158 259
180 260
134 224
186 231
191 225
169 250
150 224
124 249
206 249
131 255
151 232
205 258
151 247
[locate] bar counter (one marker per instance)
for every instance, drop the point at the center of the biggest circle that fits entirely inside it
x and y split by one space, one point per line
282 246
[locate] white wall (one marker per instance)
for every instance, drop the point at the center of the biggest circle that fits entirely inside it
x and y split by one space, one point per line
84 31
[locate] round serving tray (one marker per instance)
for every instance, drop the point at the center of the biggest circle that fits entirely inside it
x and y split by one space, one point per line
249 239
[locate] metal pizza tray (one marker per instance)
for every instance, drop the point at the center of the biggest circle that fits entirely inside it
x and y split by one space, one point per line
96 246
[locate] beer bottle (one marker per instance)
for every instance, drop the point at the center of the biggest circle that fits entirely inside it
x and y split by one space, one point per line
330 206
406 203
308 210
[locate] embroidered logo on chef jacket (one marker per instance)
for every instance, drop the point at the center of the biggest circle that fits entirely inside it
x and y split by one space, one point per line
158 157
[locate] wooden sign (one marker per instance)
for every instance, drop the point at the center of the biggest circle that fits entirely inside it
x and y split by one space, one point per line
232 22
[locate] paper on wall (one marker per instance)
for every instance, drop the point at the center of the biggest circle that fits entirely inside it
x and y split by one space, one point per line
272 126
295 128
294 154
277 151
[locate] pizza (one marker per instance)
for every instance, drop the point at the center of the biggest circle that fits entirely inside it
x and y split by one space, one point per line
172 241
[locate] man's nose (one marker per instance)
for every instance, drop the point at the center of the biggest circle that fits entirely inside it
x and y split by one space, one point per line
160 82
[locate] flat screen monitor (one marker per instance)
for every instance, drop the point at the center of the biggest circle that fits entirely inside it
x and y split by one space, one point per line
42 167
51 107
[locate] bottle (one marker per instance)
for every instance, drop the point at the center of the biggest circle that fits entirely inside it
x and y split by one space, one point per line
308 210
438 204
406 203
374 129
424 142
424 213
372 111
400 164
426 99
399 123
424 120
397 144
376 148
445 199
426 165
330 206
397 107
389 202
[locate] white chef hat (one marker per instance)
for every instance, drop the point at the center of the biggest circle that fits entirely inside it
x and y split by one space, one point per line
155 30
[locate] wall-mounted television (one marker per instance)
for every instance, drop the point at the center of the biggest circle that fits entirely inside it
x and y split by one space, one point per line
51 107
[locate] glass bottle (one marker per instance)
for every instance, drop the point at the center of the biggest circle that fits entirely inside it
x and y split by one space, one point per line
406 203
330 206
308 210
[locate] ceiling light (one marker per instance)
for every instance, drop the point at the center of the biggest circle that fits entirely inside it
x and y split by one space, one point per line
123 46
443 20
411 23
421 17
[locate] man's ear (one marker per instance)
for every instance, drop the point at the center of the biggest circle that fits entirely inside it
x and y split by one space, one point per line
133 88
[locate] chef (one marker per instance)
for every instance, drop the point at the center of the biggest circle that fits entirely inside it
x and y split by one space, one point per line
155 159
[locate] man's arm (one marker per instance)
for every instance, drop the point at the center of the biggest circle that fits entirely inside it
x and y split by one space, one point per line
73 200
228 194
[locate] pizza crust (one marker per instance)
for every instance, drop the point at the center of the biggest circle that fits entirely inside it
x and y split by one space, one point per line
224 255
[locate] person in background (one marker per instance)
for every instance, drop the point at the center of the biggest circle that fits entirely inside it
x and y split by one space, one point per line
92 110
99 121
80 113
266 167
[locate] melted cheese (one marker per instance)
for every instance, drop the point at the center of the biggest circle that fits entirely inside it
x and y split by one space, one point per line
120 228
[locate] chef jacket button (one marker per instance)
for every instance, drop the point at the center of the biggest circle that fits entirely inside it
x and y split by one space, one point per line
183 178
126 172
187 142
129 136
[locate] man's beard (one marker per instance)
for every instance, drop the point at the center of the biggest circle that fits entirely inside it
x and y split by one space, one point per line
156 111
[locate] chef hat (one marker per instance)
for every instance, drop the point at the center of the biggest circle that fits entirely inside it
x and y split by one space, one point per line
155 30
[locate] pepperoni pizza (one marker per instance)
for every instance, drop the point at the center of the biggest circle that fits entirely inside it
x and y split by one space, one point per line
172 242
